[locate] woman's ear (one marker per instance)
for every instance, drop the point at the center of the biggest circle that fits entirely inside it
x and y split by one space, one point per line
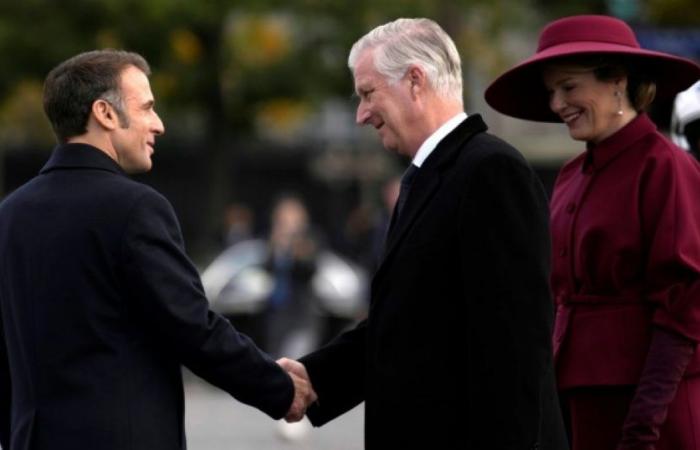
621 84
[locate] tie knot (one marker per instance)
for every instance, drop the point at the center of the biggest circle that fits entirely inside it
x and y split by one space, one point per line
408 176
406 181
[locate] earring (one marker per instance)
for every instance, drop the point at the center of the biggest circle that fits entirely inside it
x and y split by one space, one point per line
619 103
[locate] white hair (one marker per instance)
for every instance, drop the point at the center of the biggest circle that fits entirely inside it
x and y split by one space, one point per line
402 43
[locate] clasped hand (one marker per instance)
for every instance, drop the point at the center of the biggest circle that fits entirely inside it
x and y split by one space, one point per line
304 394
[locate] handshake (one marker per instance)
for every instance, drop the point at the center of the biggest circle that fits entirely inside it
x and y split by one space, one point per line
304 394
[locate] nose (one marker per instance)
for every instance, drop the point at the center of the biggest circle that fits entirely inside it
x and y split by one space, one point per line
158 127
363 114
556 102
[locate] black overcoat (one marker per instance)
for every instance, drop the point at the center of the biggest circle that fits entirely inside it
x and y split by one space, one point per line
456 350
100 307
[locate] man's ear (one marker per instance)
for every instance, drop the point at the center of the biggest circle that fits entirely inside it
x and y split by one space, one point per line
104 114
417 78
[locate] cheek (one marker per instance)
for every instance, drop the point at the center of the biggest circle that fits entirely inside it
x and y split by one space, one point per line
598 112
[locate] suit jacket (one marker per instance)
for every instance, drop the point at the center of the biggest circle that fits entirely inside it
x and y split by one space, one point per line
100 307
455 352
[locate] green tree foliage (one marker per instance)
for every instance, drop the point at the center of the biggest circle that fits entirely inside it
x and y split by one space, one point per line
675 13
222 68
219 63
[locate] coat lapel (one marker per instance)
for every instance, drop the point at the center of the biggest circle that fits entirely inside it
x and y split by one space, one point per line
427 182
423 188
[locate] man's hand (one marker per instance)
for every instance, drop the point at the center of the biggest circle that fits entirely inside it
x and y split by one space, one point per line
304 394
294 367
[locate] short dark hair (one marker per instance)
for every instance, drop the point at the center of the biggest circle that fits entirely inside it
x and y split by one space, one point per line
72 87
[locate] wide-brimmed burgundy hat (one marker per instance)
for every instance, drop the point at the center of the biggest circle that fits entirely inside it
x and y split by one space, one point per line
520 92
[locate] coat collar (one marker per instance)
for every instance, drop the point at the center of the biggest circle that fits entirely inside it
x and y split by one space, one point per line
598 156
428 178
80 156
447 149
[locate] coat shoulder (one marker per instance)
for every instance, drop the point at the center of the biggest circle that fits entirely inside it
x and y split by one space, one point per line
485 145
85 191
485 151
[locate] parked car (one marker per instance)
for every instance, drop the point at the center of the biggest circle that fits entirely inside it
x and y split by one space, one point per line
238 285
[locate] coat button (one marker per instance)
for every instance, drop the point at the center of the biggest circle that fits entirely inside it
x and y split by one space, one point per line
562 252
570 207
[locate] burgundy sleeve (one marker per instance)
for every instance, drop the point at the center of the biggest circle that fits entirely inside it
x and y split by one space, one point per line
668 357
671 221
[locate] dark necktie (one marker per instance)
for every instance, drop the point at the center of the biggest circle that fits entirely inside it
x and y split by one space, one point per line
406 181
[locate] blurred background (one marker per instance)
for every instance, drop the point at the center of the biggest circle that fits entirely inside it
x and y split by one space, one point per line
282 199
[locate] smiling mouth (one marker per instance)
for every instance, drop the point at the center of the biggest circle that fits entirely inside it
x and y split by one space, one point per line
568 118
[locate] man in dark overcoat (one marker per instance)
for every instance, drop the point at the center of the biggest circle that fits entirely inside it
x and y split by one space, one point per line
455 352
100 305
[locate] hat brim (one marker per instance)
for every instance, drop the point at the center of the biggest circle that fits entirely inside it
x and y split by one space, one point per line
520 92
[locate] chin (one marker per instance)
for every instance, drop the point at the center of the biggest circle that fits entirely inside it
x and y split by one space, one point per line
146 167
578 135
139 168
390 147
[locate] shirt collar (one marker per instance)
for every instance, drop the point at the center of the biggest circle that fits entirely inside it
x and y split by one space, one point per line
429 145
599 155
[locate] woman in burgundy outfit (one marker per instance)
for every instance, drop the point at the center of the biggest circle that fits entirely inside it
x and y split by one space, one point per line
625 236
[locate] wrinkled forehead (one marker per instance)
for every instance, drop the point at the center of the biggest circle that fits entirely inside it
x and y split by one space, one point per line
364 65
367 78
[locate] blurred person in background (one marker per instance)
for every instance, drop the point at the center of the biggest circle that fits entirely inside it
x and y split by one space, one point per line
239 222
685 120
291 319
456 351
625 236
291 316
389 196
100 304
366 227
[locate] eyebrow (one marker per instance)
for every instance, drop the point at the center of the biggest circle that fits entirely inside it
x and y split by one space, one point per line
362 90
560 81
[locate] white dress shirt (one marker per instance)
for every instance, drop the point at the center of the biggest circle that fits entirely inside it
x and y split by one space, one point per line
429 145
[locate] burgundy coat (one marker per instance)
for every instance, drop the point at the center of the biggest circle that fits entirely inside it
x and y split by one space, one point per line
625 255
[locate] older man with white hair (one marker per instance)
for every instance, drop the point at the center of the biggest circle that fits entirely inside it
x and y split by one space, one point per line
455 352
